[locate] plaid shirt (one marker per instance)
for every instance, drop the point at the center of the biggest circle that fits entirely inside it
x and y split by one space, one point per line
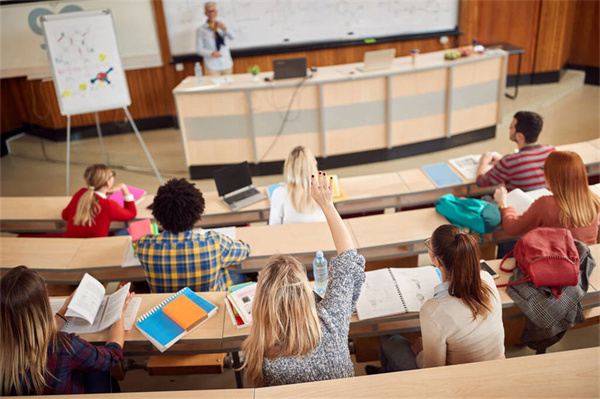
199 261
74 356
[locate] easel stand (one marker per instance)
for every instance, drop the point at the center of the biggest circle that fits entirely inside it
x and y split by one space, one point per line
104 157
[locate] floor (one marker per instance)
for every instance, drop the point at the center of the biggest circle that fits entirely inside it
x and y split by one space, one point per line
36 167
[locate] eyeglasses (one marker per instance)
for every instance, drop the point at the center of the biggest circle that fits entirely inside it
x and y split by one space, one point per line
427 243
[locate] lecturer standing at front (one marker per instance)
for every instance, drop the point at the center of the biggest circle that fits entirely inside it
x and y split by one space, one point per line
212 43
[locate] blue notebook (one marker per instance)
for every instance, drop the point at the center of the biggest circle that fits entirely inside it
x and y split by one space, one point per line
164 332
441 174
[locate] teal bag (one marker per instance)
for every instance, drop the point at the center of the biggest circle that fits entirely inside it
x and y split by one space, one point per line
471 213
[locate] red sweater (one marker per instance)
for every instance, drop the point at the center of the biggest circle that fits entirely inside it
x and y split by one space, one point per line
109 211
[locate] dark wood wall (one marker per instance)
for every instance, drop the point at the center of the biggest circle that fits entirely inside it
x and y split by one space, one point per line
585 43
542 27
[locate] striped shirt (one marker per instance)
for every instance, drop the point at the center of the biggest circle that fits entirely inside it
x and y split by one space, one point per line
189 259
524 169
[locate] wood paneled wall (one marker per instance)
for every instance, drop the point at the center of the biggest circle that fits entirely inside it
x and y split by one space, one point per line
585 43
524 23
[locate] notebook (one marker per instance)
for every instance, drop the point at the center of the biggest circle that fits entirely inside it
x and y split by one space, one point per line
138 195
441 175
141 228
521 201
161 330
235 188
185 312
395 291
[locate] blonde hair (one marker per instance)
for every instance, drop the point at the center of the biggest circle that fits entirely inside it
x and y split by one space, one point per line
27 329
284 316
566 176
88 207
298 167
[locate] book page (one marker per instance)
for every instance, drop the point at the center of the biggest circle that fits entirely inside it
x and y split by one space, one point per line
466 166
130 260
416 284
540 192
379 296
242 299
519 200
114 306
226 231
87 299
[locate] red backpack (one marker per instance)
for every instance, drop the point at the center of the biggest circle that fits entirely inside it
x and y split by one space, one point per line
547 256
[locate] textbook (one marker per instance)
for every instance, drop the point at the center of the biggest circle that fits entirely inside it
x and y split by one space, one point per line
441 174
239 304
236 319
521 201
138 195
162 330
90 311
389 291
141 228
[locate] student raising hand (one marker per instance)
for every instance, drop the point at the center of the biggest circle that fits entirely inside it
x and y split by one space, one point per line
321 189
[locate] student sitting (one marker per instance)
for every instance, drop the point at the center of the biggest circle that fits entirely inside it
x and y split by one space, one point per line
292 203
180 257
291 339
36 357
522 169
572 205
90 211
462 323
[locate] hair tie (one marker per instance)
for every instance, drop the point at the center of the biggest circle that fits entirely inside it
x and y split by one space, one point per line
91 188
458 235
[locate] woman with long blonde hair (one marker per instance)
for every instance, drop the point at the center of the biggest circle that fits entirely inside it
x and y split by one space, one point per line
36 357
462 323
90 211
572 204
292 203
292 339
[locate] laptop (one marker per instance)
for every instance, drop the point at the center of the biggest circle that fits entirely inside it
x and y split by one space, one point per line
235 188
379 59
289 68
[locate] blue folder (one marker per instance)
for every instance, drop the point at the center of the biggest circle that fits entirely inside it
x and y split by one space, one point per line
441 174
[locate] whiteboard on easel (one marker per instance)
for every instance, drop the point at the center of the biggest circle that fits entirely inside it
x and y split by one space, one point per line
86 66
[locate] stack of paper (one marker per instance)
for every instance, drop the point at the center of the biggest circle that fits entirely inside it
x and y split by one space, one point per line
239 304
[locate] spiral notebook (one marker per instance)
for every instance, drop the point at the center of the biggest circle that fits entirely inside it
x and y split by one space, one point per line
388 292
161 330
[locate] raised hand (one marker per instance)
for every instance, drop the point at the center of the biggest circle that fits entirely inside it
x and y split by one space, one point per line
321 189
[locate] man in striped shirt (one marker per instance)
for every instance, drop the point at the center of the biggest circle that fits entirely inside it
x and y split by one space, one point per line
523 169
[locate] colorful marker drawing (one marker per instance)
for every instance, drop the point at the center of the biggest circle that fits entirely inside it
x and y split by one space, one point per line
102 76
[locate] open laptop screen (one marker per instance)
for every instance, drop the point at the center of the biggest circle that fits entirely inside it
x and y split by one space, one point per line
289 68
232 178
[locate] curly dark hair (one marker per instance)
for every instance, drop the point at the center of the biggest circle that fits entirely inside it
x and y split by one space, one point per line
178 205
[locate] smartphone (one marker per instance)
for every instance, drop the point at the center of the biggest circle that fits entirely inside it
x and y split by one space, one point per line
488 268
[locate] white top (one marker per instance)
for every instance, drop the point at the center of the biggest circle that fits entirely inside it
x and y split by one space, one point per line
451 336
207 46
283 212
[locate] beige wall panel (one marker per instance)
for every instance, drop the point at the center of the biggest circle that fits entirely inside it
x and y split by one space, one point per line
277 100
219 151
354 91
285 144
473 118
476 72
357 139
212 104
418 129
419 82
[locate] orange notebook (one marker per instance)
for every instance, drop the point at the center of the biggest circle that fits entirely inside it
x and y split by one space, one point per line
183 311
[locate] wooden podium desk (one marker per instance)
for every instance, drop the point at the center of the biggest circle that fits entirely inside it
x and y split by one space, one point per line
344 116
405 188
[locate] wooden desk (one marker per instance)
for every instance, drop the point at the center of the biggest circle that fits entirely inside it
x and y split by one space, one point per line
342 111
540 376
366 193
247 393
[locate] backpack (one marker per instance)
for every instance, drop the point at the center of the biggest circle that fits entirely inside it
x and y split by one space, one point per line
475 214
548 257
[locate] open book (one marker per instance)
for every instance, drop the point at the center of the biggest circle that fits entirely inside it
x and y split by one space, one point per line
468 165
90 311
521 201
239 304
394 291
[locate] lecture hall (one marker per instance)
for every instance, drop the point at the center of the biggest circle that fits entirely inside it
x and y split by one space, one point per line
282 198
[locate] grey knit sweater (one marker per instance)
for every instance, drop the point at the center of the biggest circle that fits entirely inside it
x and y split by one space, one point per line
331 358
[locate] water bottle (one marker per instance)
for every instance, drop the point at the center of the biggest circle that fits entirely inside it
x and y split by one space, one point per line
198 72
320 272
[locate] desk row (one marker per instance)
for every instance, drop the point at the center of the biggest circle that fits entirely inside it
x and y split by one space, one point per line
362 194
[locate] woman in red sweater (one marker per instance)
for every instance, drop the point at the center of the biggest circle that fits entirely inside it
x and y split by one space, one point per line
573 205
90 211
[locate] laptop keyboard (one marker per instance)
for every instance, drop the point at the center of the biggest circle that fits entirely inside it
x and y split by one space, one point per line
241 196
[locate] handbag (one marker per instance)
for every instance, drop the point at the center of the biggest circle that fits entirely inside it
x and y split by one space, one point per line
548 257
